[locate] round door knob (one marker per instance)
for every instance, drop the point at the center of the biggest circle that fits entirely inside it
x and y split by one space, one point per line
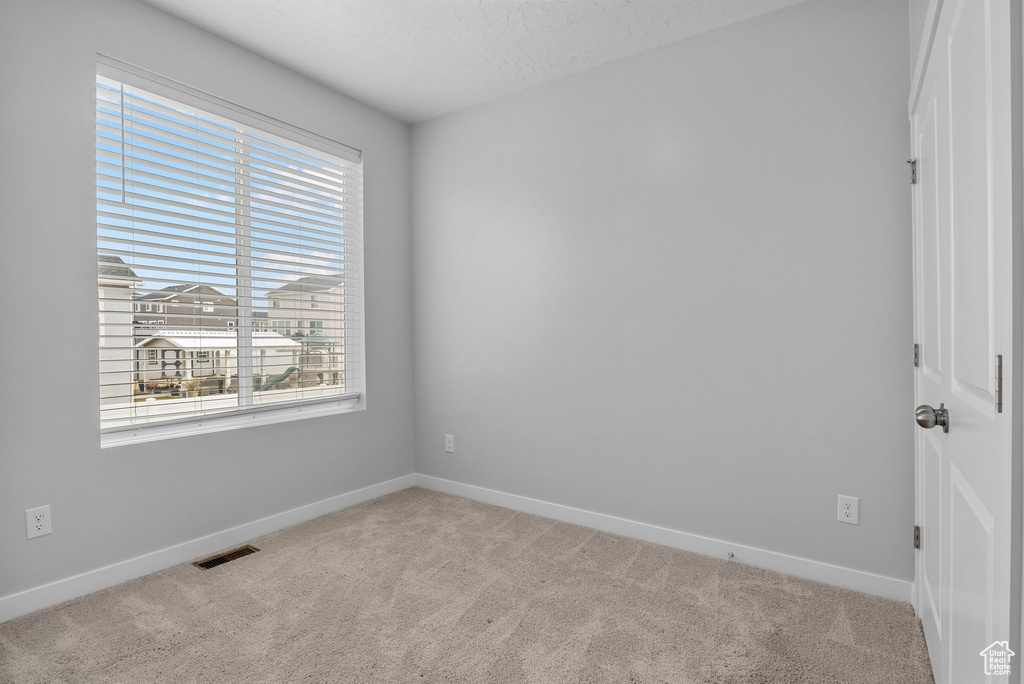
928 417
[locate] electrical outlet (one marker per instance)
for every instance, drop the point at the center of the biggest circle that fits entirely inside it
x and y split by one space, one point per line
449 444
849 510
38 522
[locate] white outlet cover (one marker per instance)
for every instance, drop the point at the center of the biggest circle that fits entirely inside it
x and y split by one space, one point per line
848 510
449 444
38 522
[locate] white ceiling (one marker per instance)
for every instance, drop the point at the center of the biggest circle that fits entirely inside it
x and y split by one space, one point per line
417 59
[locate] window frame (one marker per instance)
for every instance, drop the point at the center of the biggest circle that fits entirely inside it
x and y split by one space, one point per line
254 414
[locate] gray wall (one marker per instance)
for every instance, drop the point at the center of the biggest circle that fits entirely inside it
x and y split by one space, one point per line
918 17
114 504
677 288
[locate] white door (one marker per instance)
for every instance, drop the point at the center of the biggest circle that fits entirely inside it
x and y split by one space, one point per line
963 218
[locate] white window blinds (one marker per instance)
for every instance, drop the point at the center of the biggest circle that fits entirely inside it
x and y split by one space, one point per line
206 225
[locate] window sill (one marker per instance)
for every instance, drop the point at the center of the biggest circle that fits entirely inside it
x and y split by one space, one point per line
232 421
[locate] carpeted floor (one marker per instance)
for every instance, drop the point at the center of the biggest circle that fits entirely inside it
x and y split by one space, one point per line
425 587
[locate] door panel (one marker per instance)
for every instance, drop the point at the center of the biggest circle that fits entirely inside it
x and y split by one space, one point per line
930 306
963 227
969 120
931 547
970 583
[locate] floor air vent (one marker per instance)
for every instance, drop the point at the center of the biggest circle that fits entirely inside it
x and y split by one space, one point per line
223 558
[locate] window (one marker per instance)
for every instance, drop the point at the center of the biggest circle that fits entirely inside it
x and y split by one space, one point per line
313 303
198 195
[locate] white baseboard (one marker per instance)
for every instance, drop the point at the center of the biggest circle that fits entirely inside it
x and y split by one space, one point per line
36 598
40 597
826 573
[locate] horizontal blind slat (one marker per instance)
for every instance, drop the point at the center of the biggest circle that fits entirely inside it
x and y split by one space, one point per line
267 258
212 185
214 165
205 268
209 227
185 128
230 136
173 208
194 237
221 150
213 205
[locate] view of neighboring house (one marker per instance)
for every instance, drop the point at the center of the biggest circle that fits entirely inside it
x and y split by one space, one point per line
198 354
259 320
117 284
308 305
188 332
189 306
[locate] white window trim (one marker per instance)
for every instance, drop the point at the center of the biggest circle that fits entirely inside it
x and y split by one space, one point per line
254 415
187 427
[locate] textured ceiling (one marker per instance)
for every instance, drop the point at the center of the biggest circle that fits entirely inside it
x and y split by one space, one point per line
417 59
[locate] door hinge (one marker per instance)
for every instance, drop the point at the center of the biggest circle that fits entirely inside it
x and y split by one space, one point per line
917 536
999 383
917 355
913 171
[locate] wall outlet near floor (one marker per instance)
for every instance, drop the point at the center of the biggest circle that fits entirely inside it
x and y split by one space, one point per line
449 444
38 522
849 510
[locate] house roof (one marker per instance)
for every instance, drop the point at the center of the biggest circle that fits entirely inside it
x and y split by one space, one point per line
318 339
218 339
114 267
315 283
171 290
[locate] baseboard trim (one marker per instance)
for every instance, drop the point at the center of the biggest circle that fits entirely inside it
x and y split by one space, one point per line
30 600
805 568
46 595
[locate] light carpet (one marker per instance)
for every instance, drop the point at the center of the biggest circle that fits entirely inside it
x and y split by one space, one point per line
425 587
